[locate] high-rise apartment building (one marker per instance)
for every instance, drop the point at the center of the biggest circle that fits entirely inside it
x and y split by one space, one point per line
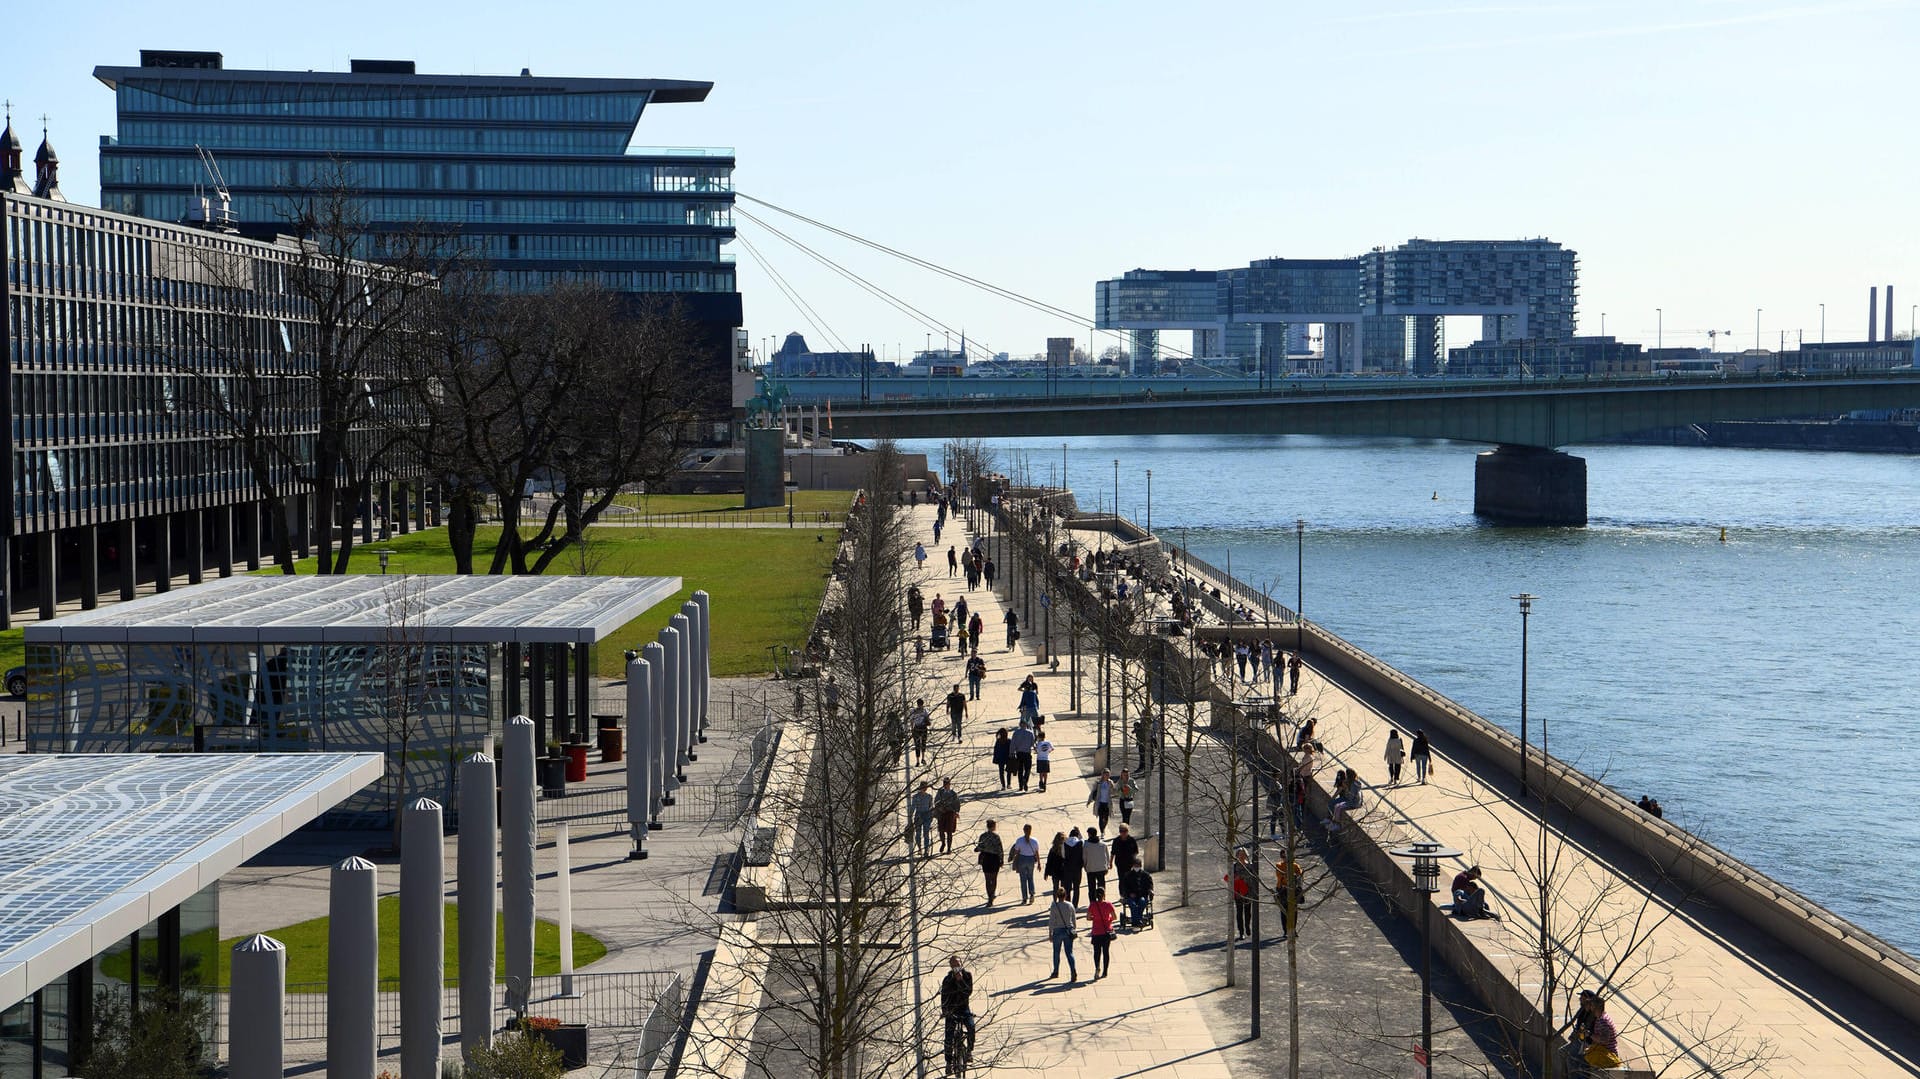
541 177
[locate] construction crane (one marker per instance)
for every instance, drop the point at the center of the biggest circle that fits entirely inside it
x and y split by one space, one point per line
202 211
1711 334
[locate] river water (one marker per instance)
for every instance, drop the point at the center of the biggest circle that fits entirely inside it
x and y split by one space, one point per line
1757 686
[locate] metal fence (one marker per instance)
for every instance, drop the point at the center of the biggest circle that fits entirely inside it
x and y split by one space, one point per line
624 1000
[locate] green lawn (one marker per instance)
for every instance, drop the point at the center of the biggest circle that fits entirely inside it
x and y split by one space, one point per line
307 948
766 583
723 506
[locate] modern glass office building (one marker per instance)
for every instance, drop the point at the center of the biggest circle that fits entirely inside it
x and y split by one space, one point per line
121 467
540 176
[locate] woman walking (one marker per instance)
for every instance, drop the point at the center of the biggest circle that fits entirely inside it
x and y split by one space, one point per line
1055 871
1422 755
1241 876
1396 754
1101 916
1003 756
1061 919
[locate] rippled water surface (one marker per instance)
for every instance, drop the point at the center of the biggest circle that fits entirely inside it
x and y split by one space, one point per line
1757 687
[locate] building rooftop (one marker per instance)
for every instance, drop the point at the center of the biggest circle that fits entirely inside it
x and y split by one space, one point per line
366 609
94 846
183 81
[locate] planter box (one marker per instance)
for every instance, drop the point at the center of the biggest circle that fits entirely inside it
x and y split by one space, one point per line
570 1039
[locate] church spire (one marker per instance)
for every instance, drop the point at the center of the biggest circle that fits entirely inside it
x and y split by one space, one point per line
13 178
46 183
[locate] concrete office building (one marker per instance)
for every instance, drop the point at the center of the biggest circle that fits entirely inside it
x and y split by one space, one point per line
1573 357
118 471
540 176
1381 312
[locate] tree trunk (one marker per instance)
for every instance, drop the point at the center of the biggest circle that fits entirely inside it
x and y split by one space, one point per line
460 531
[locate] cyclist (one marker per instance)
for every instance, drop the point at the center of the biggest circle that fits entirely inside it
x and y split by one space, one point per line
956 1004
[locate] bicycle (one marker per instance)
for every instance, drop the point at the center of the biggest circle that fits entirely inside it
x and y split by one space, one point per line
959 1045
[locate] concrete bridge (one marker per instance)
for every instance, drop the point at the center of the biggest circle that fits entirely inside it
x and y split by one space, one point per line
1524 479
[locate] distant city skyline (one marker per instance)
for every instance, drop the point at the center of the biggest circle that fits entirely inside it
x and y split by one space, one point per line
1707 159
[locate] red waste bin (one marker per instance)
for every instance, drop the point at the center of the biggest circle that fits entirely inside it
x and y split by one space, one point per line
577 764
612 745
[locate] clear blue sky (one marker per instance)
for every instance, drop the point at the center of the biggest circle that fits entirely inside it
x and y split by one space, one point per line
1704 156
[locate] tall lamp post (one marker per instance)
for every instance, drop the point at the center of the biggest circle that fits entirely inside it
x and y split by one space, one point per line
1149 501
1823 324
1299 585
1659 328
1526 609
1756 329
1426 881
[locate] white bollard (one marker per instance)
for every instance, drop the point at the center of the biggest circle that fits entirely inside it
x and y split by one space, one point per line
640 755
517 838
479 835
655 657
563 909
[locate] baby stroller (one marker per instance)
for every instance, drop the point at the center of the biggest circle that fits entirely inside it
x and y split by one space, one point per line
939 641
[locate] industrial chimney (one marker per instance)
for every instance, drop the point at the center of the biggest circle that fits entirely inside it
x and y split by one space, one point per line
1888 336
1873 312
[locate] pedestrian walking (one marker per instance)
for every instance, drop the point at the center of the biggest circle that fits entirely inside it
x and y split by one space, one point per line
916 606
953 560
1074 860
1097 860
1241 876
1061 926
1030 700
989 570
1055 871
1003 756
831 691
1042 759
1422 755
1101 918
920 820
922 723
976 674
1240 656
1013 627
1293 670
1101 797
1026 855
1021 743
1396 754
946 812
975 627
920 556
992 855
956 712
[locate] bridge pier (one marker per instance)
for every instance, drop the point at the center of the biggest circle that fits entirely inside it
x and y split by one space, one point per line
1530 485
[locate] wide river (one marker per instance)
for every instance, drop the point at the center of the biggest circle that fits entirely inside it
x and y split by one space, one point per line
1757 686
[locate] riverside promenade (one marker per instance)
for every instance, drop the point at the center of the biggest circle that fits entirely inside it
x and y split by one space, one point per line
1695 986
1142 1020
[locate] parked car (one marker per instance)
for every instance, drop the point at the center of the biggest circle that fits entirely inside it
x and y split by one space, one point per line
17 682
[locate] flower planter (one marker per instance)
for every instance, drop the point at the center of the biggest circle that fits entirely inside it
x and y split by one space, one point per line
569 1038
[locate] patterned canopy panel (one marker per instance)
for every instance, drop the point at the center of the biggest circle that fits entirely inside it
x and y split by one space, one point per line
86 839
367 609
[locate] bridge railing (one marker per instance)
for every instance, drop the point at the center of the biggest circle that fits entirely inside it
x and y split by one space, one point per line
1291 389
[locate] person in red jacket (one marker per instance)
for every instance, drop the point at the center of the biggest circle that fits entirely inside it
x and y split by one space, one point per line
1101 916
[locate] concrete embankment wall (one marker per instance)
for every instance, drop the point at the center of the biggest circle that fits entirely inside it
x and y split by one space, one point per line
1840 947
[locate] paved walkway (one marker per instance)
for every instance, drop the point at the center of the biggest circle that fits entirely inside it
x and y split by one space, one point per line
1683 976
1143 1020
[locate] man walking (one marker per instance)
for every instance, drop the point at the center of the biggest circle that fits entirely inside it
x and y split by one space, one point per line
976 674
1095 857
956 711
1125 850
1013 627
946 810
922 723
975 626
988 570
1021 745
953 561
992 856
920 817
1026 855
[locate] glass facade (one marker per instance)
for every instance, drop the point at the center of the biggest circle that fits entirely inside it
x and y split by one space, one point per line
539 174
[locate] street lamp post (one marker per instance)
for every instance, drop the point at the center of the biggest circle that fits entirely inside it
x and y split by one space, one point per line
1116 500
1659 328
1299 585
1063 466
1526 609
1149 501
1823 324
1756 330
1426 881
384 554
